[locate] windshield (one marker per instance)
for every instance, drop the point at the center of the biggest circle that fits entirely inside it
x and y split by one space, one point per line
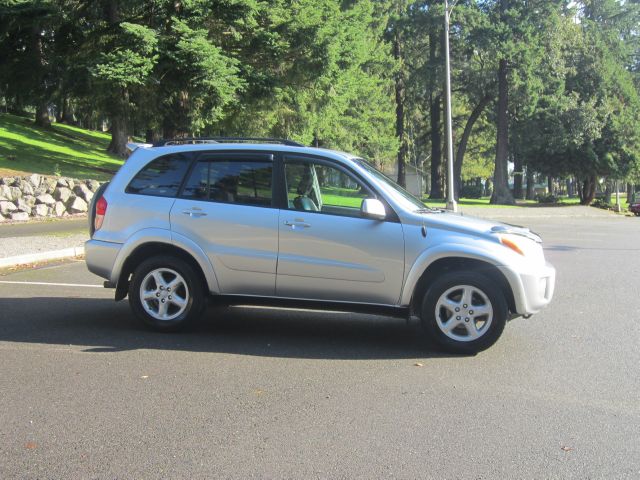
399 194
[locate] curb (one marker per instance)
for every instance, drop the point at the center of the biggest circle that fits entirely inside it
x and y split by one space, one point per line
41 257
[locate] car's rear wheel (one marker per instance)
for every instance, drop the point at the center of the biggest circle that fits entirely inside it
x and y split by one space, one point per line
464 312
166 293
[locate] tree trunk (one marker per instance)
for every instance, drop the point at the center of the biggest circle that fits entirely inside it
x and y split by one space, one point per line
119 137
530 184
501 193
119 126
550 189
631 193
68 116
59 111
607 192
518 175
151 136
42 111
588 190
42 114
400 122
462 146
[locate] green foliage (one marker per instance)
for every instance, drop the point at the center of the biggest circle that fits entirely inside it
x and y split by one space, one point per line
590 124
131 60
329 81
199 80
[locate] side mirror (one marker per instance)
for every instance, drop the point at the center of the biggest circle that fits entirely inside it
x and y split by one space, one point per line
373 208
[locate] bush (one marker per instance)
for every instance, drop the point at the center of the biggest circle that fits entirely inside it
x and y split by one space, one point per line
601 203
548 198
471 191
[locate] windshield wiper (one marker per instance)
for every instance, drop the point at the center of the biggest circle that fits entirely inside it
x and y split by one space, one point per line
429 210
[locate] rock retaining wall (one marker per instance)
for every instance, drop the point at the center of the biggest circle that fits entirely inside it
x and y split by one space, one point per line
22 198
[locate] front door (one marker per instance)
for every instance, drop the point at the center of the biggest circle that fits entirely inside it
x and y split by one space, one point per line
226 208
327 249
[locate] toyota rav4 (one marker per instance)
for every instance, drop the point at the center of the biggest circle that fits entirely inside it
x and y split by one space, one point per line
268 221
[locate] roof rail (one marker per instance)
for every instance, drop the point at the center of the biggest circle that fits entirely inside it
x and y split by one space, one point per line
202 140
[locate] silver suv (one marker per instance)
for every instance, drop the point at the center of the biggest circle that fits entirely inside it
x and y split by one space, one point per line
279 223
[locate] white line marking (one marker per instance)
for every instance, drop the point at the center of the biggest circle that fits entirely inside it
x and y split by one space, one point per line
52 284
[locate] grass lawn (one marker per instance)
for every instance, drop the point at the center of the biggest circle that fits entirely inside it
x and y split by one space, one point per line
70 151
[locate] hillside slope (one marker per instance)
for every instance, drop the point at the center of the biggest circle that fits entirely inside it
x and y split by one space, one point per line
69 151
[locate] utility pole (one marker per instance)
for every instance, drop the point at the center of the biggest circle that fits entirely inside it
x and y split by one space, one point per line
451 199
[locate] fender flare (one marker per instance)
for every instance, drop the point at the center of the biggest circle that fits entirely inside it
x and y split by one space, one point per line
455 250
162 236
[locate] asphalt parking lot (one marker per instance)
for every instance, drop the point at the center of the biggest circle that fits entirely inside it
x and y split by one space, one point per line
261 393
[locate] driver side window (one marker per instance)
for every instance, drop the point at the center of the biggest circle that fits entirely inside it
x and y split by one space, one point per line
317 187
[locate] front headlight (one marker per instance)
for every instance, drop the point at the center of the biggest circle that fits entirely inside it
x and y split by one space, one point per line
527 248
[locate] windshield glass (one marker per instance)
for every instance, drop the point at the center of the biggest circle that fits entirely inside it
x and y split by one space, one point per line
398 193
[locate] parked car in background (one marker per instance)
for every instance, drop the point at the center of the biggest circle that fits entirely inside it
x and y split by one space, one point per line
635 208
270 221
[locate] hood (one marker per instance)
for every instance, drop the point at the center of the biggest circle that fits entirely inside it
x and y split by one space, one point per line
470 225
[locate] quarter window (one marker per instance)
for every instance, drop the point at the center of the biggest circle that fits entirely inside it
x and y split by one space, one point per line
231 181
162 177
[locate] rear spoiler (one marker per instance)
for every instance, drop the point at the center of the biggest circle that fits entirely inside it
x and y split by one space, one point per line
133 146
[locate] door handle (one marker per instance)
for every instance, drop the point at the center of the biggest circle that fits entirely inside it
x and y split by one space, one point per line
194 212
296 223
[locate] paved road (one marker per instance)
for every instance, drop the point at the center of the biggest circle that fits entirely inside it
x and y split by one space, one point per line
255 393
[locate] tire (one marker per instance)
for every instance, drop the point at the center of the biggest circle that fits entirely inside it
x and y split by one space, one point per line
152 282
476 325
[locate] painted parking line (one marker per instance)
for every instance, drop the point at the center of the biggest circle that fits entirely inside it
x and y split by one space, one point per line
51 284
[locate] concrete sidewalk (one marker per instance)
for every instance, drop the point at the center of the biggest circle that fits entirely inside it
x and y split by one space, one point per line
39 241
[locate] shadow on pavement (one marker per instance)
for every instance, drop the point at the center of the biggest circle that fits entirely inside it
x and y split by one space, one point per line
105 326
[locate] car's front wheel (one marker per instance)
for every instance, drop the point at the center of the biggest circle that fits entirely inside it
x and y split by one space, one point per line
166 293
464 312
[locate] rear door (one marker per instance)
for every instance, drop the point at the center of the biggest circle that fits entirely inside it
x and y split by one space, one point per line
328 250
226 207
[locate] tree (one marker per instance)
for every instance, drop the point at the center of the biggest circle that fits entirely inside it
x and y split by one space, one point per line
27 30
590 127
397 32
126 62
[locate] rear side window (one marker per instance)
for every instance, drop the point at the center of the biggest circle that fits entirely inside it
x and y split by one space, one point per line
162 177
245 182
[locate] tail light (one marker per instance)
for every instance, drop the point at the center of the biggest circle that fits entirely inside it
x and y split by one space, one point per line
101 210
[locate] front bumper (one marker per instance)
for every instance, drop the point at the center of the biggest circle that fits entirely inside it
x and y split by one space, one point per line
533 289
101 256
